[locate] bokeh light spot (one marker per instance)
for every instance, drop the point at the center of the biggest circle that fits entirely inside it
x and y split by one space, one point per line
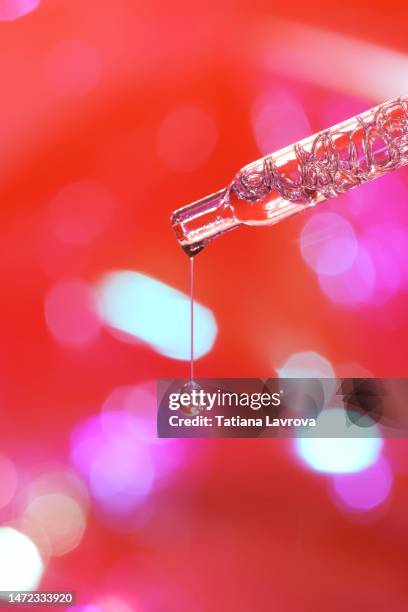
307 364
117 464
387 244
13 9
349 449
61 518
186 138
356 285
72 68
70 313
328 243
8 480
81 211
21 566
364 490
113 603
278 119
155 313
167 455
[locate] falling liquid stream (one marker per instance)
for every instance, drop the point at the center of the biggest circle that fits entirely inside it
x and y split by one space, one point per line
191 267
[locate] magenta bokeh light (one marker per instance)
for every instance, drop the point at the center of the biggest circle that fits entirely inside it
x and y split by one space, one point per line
139 401
119 455
365 490
328 243
13 9
8 480
387 244
355 286
107 451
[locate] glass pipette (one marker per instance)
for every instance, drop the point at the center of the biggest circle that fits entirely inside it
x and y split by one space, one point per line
299 176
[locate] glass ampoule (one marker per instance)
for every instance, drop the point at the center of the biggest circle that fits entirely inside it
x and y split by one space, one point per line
299 176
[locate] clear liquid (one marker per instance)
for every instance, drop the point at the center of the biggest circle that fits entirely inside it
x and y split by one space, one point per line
301 175
315 169
322 166
191 275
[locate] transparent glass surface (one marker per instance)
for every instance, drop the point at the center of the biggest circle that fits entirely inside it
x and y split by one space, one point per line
315 169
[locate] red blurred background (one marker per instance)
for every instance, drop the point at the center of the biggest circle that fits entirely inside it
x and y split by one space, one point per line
114 114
